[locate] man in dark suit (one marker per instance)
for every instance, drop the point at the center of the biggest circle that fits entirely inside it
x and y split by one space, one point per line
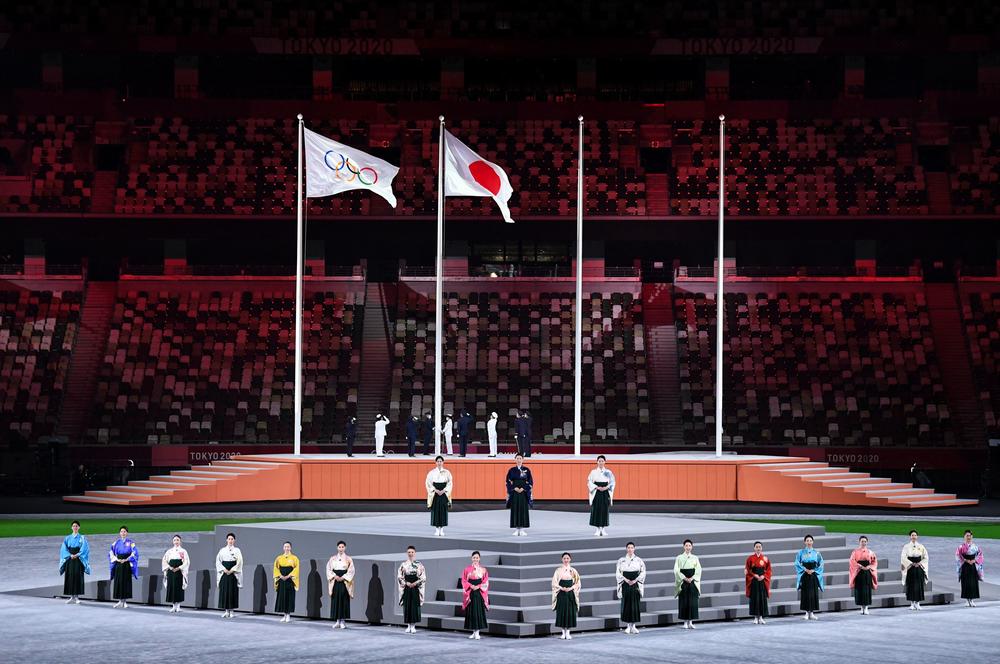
428 432
464 422
526 418
350 433
412 430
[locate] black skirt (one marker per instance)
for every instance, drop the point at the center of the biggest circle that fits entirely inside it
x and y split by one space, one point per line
519 512
863 587
631 612
284 597
758 594
229 589
969 578
410 601
121 581
915 582
600 507
687 600
340 599
175 583
566 608
439 507
475 612
809 593
73 574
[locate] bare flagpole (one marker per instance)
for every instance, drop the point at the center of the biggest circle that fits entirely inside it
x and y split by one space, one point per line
578 343
439 299
299 232
720 308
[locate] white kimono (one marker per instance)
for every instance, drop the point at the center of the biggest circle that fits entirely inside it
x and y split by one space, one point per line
633 564
380 425
911 549
175 553
434 476
449 430
416 567
598 475
225 554
491 433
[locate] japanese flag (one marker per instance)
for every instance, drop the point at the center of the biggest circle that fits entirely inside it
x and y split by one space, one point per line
467 174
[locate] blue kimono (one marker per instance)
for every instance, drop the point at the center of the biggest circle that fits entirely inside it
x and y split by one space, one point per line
513 475
805 556
125 549
76 541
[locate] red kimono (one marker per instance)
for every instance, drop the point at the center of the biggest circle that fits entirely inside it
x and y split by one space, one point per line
758 561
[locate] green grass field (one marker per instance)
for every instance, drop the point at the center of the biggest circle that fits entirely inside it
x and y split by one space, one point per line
42 527
902 528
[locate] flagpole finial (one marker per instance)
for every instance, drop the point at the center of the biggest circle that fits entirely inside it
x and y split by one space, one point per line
580 118
299 116
440 118
722 118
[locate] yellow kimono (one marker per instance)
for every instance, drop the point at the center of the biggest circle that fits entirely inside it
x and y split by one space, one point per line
289 560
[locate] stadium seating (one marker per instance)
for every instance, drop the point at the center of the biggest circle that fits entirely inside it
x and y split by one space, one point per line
981 315
58 182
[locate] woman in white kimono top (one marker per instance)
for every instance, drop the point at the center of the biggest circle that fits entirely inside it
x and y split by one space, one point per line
438 484
229 576
601 490
630 575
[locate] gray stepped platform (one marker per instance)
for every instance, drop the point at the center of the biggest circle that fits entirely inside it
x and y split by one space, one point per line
520 568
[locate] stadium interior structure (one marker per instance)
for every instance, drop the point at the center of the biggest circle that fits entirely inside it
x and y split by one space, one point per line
147 196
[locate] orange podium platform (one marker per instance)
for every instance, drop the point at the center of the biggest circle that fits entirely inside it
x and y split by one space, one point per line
640 477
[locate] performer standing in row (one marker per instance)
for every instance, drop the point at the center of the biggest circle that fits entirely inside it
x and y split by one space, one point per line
522 427
630 575
601 489
566 596
124 559
427 432
464 424
74 563
340 585
969 559
491 433
229 576
439 484
449 432
381 422
175 566
475 596
519 485
350 433
687 585
286 582
863 570
411 577
412 431
758 576
809 577
913 563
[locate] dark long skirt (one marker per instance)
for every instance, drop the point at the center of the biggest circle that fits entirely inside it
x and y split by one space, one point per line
969 578
758 597
519 511
915 582
284 596
439 507
175 583
809 593
121 581
410 601
229 592
475 612
863 587
631 600
687 601
73 581
340 599
600 507
566 608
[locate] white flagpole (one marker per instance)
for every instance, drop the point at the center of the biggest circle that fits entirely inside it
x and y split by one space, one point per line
297 421
578 344
439 299
720 309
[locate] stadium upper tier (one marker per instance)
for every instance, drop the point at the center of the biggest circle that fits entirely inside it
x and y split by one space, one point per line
246 166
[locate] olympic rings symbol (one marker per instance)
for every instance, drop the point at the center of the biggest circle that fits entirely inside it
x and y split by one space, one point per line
366 175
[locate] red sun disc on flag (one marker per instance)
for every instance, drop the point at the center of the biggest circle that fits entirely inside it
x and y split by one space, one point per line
486 176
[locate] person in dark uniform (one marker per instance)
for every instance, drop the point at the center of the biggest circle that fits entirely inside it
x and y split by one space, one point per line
412 431
519 432
464 422
427 432
527 434
350 433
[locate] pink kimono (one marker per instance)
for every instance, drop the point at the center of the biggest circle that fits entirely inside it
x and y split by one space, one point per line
484 587
864 554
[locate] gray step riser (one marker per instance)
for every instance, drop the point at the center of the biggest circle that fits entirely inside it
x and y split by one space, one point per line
736 552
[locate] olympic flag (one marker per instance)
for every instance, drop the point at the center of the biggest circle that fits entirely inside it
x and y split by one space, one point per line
467 174
333 167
